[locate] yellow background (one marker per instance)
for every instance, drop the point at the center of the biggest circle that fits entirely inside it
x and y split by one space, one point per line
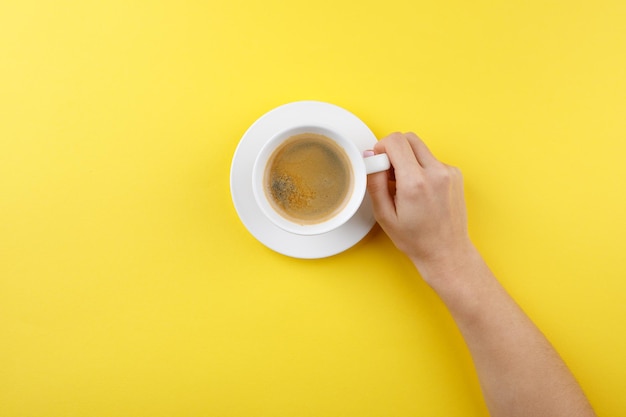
128 285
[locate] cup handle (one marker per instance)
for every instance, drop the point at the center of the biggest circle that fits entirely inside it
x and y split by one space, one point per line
376 163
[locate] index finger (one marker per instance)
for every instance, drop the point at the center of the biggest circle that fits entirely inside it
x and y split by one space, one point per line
401 155
422 153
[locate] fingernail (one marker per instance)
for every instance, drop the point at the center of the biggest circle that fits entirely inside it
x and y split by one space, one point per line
368 153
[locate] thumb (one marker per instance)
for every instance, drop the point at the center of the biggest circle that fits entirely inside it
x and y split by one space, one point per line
378 189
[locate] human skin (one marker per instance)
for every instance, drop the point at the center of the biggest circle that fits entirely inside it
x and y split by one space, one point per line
420 205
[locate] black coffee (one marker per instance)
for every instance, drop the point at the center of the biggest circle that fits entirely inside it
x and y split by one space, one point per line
308 178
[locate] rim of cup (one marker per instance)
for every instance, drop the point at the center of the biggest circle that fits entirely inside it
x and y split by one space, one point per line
357 192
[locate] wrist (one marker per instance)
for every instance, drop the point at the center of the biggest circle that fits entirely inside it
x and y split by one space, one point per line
445 267
462 280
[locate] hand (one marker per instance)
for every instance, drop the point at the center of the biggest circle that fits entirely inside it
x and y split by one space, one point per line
419 202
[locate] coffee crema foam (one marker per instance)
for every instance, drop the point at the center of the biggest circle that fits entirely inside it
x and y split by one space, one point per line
308 178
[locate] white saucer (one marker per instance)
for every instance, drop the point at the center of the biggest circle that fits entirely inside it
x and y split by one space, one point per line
301 113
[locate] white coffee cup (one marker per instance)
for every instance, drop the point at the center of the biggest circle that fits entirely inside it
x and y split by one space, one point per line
360 166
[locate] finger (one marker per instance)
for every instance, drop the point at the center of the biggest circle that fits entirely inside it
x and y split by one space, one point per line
391 173
400 154
380 193
423 155
452 167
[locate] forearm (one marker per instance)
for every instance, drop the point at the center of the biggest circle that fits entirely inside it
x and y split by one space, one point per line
420 205
519 371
